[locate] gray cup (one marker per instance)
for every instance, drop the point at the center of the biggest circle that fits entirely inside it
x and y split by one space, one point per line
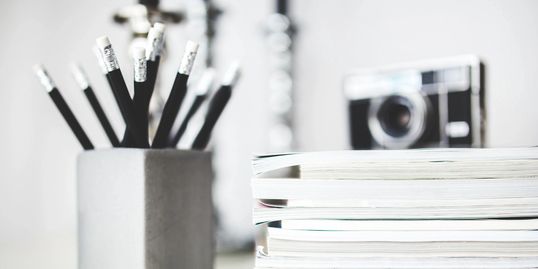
145 209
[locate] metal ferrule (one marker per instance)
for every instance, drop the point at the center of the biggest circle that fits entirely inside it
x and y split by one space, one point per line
187 62
109 58
140 69
100 61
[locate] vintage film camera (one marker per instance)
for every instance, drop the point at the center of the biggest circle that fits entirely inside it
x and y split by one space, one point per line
437 103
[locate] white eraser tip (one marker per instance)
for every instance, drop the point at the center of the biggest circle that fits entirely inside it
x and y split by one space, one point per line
150 43
151 36
232 74
159 27
43 77
206 81
38 68
80 76
138 10
151 33
103 41
191 47
139 52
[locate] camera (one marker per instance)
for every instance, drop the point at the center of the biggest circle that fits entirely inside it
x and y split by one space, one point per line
435 103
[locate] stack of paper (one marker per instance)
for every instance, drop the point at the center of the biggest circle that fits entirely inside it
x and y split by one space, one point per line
432 208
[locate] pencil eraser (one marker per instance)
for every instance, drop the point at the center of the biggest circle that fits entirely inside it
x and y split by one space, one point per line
138 10
151 44
232 74
191 49
206 81
103 42
139 52
159 27
155 41
38 68
44 77
79 76
108 55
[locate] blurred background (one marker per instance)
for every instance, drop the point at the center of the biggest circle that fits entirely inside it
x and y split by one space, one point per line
290 96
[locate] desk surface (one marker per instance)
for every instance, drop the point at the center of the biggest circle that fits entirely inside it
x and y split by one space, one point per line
240 260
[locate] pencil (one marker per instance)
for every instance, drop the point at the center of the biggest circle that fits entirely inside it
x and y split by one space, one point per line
177 94
82 81
140 94
153 54
121 93
154 49
202 89
62 106
216 106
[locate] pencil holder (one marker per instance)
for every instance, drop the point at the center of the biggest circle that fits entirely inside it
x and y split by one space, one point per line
145 209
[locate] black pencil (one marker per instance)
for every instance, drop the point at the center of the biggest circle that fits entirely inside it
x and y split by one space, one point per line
153 54
121 93
139 97
177 94
152 71
202 89
62 106
154 49
216 106
82 81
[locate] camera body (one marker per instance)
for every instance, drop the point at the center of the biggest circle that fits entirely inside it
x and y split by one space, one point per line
438 103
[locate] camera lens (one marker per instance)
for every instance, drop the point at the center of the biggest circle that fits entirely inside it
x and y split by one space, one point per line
395 116
397 121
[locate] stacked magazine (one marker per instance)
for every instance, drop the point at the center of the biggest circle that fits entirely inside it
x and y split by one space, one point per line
426 208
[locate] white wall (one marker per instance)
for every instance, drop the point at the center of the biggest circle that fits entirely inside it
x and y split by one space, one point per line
37 210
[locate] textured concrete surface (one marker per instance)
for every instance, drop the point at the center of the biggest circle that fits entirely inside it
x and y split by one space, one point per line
145 209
